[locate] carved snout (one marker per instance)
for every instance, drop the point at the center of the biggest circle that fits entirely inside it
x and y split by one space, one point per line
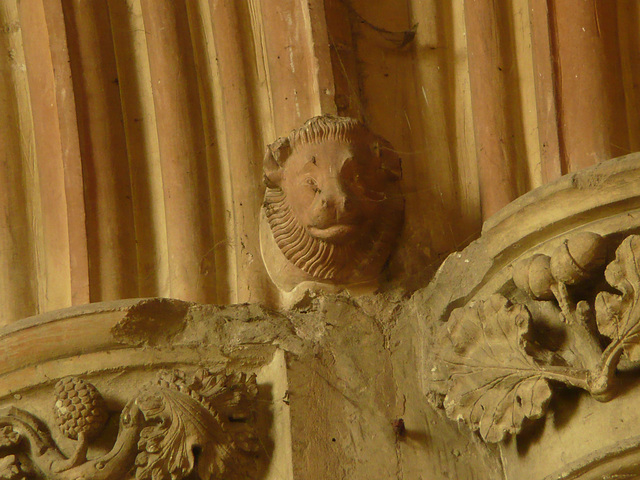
333 205
334 197
335 216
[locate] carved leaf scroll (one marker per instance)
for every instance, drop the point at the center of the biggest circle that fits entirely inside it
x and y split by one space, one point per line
185 425
495 380
182 422
618 316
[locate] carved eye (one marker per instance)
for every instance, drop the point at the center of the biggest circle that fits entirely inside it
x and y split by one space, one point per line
311 183
313 160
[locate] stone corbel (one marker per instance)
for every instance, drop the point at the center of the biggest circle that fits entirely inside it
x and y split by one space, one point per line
333 208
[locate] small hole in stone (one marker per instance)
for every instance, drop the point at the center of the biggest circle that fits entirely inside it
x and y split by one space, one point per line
197 451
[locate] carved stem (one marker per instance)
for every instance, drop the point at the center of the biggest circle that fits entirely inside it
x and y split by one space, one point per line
571 376
603 377
45 453
115 464
587 344
78 457
601 380
559 291
588 348
25 424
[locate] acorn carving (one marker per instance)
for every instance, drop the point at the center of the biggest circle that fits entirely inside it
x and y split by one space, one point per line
578 258
80 409
533 276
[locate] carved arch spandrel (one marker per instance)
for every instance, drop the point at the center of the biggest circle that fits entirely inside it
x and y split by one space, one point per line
575 320
185 424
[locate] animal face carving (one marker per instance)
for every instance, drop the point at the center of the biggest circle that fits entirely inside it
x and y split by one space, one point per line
333 202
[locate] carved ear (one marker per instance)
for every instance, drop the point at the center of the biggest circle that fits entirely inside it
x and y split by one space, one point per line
390 161
274 160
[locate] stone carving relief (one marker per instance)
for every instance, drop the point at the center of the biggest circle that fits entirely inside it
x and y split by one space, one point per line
183 425
569 320
332 208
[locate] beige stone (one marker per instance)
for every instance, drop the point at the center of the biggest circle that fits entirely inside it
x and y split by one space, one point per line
321 404
132 135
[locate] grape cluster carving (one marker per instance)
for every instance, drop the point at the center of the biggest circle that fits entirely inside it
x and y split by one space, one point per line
79 408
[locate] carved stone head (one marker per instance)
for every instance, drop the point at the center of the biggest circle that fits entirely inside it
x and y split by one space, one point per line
333 202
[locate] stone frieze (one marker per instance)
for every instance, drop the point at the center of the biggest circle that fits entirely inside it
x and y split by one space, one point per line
183 424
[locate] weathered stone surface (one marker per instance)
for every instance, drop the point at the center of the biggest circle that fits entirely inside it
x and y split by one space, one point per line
334 376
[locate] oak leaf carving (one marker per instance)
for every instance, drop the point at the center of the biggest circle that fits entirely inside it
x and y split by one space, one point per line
493 373
494 377
618 315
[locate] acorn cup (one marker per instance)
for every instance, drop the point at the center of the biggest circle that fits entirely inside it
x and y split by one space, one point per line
579 258
81 414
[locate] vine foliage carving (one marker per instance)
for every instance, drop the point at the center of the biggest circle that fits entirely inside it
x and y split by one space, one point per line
198 425
493 370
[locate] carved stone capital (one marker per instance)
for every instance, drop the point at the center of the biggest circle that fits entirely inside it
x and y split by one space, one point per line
146 389
182 424
531 313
